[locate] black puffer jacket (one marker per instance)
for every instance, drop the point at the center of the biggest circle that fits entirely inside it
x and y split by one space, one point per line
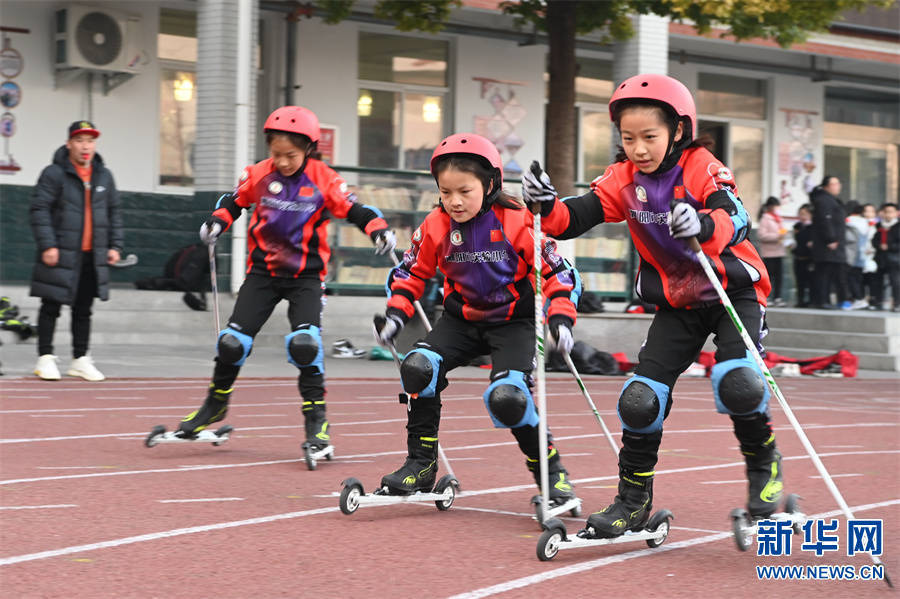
57 220
828 226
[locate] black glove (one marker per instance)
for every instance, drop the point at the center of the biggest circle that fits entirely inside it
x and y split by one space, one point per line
684 221
386 327
211 229
561 333
385 241
537 190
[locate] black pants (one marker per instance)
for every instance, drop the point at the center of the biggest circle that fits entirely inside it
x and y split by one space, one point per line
828 276
893 273
773 265
511 347
855 283
673 343
803 277
81 312
256 300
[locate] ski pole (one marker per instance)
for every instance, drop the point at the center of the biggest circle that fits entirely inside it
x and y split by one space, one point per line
540 376
694 245
214 285
587 396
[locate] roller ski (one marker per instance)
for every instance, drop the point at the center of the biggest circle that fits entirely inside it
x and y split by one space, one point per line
413 482
626 519
561 496
318 442
194 427
765 489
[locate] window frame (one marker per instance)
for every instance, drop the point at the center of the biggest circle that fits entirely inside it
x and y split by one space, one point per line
409 88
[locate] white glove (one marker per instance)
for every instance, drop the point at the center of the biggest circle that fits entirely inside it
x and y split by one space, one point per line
386 328
561 335
210 230
536 186
385 241
684 222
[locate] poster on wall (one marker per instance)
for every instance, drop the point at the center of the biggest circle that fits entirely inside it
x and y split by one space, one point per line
328 142
504 115
797 158
11 65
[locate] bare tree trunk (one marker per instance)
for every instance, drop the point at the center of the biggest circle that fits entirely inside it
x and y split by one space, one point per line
560 136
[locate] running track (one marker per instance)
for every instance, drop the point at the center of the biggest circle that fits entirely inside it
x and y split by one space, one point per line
88 511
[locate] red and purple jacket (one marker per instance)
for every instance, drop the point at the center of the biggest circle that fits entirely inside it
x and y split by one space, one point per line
287 235
669 273
488 267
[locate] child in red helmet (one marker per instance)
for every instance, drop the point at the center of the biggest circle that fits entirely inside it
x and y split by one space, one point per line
669 188
287 255
482 240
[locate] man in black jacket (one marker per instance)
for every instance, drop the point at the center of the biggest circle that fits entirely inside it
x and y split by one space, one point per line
77 228
828 254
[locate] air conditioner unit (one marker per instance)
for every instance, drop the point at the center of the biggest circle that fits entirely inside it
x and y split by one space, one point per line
97 39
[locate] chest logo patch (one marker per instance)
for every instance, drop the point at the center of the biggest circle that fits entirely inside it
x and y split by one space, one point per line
456 237
275 187
641 193
306 192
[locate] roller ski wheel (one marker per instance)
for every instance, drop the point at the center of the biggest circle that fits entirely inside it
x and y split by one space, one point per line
313 453
449 486
743 528
350 493
160 435
551 539
659 523
744 525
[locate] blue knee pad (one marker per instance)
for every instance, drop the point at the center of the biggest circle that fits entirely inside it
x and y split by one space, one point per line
509 402
233 347
304 348
419 372
739 387
642 404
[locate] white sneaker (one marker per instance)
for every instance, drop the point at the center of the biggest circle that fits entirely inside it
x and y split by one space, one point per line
84 367
859 304
46 368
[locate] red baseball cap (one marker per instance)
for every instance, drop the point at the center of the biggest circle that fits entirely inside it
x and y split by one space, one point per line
86 127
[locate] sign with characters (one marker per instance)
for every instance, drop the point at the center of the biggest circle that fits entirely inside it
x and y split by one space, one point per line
328 142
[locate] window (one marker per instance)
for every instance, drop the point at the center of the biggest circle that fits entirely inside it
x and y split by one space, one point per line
177 53
401 102
862 107
737 97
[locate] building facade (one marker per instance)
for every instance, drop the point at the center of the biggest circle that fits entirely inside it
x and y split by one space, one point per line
182 104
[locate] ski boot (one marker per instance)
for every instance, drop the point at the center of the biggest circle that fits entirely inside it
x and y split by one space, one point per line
418 472
560 492
193 428
630 511
765 489
764 479
318 441
214 408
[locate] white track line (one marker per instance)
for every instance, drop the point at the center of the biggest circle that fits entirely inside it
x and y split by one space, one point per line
533 579
159 535
36 507
390 453
200 500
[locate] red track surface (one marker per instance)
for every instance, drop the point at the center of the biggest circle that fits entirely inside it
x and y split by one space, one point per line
100 520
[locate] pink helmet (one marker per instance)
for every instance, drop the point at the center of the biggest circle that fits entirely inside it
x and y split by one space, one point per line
294 119
469 143
662 89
